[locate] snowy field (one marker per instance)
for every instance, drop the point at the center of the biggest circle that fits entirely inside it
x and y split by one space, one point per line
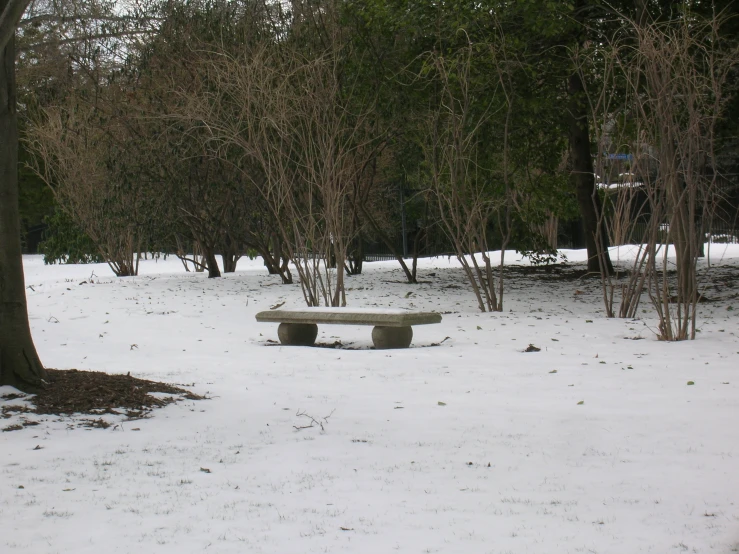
595 444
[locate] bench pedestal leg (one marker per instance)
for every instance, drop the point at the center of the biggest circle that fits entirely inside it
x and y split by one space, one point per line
297 334
392 337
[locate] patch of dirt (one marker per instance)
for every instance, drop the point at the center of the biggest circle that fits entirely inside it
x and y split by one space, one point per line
12 396
335 344
12 428
8 411
557 271
94 392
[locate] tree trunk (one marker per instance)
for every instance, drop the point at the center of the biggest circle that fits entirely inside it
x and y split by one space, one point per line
584 177
230 253
272 264
420 235
210 261
229 262
355 258
272 261
389 244
287 277
230 256
20 366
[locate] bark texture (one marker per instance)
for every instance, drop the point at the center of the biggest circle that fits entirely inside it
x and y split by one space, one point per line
596 240
20 366
584 178
209 254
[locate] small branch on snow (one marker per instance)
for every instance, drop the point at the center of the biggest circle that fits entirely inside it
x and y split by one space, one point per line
313 421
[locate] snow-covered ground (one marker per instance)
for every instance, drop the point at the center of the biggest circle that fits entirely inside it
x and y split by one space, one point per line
595 444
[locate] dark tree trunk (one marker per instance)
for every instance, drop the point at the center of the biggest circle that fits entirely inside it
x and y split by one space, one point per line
389 244
275 267
596 240
230 253
584 177
230 256
287 277
229 262
356 257
272 265
272 261
20 366
210 260
420 235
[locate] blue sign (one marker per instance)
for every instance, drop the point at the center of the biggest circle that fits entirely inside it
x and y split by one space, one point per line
625 157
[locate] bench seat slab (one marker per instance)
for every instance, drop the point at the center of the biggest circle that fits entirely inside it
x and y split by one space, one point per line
344 316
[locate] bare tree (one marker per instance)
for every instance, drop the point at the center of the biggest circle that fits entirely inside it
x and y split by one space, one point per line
675 74
613 200
678 74
469 178
80 153
290 112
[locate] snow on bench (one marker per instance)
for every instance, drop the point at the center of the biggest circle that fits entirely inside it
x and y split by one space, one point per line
392 328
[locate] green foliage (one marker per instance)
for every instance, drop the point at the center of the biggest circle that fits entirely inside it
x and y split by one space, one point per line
66 243
399 44
543 257
388 59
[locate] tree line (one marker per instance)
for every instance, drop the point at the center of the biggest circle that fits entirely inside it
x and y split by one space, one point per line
288 130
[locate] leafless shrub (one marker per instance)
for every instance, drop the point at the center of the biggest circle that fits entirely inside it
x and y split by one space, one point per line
673 75
677 75
82 161
311 135
470 184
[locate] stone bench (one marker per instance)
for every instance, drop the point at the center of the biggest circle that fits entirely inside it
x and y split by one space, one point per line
392 328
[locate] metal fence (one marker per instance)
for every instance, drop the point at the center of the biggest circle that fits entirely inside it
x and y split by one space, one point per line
570 235
719 233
